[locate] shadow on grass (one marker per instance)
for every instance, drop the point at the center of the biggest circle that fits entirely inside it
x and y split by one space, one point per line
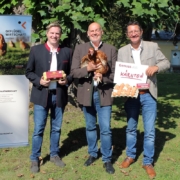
162 137
77 139
168 96
118 142
166 115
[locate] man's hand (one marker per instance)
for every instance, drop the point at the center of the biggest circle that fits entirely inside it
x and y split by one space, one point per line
151 70
92 67
44 82
63 81
97 77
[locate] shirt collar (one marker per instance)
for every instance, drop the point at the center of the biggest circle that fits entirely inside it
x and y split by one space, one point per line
49 49
94 46
139 48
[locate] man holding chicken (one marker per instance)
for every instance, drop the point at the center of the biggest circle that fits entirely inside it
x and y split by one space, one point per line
94 94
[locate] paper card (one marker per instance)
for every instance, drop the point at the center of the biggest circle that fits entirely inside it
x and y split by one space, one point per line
130 73
142 86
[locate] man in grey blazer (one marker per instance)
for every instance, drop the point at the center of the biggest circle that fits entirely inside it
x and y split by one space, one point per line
145 53
96 100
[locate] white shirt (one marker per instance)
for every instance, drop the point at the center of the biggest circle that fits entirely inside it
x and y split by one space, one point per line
53 67
136 54
96 48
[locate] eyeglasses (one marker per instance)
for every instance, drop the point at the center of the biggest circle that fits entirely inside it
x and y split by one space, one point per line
134 32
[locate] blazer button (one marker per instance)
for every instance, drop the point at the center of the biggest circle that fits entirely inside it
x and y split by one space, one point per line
87 89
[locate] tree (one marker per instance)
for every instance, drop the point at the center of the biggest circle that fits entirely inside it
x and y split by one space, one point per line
72 15
75 16
152 14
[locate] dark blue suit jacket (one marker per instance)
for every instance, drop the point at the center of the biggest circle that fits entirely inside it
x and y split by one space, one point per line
39 62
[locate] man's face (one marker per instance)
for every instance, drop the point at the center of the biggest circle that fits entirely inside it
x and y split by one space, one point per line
134 33
53 35
94 33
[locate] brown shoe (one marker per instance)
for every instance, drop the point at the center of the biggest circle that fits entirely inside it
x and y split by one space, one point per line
150 171
127 162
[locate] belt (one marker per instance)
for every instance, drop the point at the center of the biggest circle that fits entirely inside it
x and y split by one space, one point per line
143 91
52 91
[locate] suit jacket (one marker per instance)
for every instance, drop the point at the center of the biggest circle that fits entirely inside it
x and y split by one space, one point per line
39 62
151 56
85 84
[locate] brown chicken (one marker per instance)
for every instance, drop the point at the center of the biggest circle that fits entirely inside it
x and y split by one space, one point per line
23 45
97 57
2 45
11 44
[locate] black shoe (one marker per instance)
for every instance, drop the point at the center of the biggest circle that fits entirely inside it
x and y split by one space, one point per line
109 167
57 161
34 166
90 160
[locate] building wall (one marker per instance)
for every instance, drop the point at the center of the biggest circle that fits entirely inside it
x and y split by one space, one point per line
167 47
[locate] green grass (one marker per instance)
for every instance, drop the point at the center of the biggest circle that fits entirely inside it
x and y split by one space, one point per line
15 162
14 56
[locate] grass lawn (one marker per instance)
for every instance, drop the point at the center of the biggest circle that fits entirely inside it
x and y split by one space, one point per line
15 164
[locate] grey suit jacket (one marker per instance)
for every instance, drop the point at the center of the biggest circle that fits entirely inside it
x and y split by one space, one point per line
85 84
151 55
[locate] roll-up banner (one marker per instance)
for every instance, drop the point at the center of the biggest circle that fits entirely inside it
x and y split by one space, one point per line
15 41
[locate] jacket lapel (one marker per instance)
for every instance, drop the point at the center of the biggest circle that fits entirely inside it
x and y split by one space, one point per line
144 54
130 56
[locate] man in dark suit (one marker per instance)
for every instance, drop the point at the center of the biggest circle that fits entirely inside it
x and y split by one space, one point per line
96 100
145 53
47 94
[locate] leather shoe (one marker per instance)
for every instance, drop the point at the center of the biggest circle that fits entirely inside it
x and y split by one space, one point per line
109 167
90 160
150 170
127 162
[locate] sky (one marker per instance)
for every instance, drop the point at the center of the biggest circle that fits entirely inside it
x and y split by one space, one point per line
15 27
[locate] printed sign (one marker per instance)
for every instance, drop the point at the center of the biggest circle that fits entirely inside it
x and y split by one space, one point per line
130 73
15 42
14 111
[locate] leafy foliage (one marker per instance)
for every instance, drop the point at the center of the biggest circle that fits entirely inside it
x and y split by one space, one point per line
71 15
75 16
114 29
155 14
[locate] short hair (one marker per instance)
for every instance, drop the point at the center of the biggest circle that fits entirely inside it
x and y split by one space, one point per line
54 24
133 23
